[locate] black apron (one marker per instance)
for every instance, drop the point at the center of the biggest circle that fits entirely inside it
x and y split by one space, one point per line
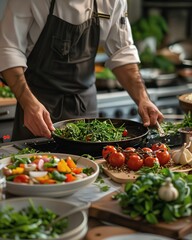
61 70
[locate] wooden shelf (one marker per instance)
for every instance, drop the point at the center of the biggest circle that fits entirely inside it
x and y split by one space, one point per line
7 101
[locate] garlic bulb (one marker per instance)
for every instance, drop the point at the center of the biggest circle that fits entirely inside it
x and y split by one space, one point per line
167 191
182 156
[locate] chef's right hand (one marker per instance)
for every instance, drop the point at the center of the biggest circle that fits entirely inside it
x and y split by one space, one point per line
37 119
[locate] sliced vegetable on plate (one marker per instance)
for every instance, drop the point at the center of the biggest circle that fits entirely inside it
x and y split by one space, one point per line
48 174
43 169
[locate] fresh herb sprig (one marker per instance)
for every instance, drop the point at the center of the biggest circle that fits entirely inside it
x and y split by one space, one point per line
100 183
173 127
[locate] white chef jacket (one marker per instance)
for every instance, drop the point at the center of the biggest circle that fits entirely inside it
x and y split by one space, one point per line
23 21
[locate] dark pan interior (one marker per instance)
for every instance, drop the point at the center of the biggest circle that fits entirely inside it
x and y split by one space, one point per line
135 129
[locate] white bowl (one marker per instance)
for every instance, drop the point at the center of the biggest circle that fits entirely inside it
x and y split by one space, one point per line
53 190
77 227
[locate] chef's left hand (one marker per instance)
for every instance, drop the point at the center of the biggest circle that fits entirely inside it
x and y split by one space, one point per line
149 113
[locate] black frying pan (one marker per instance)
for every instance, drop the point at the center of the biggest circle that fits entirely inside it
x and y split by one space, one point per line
135 129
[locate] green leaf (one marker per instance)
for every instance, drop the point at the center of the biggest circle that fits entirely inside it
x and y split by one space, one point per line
167 214
151 218
148 205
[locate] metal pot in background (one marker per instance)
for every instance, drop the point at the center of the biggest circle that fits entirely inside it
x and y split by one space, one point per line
107 84
186 73
156 77
105 79
184 49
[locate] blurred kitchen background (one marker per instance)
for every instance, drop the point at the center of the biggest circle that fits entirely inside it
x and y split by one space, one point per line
162 31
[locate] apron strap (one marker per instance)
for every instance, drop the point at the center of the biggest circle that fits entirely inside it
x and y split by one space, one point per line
51 7
95 5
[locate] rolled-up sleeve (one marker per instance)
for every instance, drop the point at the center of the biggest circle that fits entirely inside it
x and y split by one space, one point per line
13 35
116 36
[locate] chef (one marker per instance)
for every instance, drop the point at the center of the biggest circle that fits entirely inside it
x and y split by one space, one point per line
47 53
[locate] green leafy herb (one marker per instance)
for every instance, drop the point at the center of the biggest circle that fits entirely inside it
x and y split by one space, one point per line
30 223
140 198
173 127
27 151
5 92
88 171
91 131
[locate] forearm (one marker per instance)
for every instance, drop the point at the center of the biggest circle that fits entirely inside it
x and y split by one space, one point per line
15 79
130 79
32 108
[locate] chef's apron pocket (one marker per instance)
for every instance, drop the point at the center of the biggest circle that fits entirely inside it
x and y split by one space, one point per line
83 49
76 50
61 47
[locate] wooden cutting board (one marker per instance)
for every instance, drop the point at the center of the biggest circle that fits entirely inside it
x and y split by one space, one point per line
107 209
124 177
119 177
102 232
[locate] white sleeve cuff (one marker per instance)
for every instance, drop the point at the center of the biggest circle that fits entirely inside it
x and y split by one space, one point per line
126 55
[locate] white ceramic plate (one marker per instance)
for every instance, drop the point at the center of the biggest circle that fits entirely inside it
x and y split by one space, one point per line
137 236
77 227
53 190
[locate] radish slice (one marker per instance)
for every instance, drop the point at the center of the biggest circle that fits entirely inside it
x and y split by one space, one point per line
35 174
45 159
40 165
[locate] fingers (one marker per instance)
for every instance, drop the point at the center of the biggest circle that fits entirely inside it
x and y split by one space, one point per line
39 129
48 121
39 124
150 115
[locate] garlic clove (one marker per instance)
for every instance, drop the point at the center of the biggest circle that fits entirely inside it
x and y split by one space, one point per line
186 157
175 155
182 156
189 146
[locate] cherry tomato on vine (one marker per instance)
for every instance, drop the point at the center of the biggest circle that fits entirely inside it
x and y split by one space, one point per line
107 150
146 151
116 159
135 162
128 151
125 133
157 146
21 178
163 156
150 161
